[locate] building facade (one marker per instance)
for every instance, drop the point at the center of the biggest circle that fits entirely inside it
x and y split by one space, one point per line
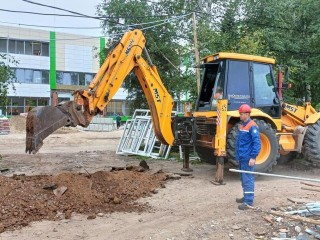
49 64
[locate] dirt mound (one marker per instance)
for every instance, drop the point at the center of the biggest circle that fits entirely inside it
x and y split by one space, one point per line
25 199
17 124
65 130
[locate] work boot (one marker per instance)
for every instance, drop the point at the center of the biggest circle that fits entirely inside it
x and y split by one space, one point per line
239 200
244 206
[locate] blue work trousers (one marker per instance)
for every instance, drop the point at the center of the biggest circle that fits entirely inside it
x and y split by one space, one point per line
247 181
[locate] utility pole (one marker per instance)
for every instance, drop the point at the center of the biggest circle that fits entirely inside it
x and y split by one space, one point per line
196 51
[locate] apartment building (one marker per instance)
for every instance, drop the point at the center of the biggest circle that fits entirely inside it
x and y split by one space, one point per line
52 63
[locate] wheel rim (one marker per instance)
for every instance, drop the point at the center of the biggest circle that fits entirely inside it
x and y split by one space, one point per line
265 149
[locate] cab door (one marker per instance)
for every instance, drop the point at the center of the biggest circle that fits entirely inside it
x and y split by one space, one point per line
265 96
238 84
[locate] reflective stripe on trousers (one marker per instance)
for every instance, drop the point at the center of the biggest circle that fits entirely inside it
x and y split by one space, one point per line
247 182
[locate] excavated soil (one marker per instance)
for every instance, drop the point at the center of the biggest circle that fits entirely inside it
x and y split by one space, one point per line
25 199
18 125
188 209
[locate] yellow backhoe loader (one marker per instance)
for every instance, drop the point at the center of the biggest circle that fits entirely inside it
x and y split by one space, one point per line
229 80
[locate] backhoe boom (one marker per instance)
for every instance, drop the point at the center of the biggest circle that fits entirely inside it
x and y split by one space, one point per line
122 60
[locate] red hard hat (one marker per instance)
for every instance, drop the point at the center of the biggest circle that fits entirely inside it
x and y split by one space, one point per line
244 108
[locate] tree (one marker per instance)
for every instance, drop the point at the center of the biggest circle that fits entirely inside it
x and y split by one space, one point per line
6 78
166 41
291 33
286 30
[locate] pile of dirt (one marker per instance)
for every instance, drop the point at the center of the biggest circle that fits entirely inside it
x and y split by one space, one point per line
17 124
25 199
65 130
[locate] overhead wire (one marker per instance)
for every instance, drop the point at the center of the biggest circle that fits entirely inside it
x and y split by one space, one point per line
44 14
102 17
162 22
69 11
61 9
47 26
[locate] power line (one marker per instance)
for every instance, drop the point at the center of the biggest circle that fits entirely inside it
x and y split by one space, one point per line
47 26
45 14
102 17
66 10
61 9
166 21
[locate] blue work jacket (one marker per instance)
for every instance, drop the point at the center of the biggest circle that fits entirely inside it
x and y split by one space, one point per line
248 141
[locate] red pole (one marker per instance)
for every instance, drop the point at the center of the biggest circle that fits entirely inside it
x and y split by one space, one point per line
280 81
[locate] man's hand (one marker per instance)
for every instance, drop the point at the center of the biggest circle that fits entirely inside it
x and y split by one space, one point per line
252 162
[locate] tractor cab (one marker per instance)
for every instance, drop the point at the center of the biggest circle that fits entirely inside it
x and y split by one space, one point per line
239 78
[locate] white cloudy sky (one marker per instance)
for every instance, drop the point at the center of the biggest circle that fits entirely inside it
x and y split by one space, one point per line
87 7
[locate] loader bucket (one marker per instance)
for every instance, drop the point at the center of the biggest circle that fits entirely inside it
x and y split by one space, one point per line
41 122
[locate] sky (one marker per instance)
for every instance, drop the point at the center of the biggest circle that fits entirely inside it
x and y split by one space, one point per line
87 7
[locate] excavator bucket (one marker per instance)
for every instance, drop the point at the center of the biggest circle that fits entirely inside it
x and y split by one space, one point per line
41 122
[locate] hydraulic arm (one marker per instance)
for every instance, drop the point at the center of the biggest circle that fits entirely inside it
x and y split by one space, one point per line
123 59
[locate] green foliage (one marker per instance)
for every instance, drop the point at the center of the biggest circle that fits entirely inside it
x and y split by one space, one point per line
6 78
291 34
166 44
286 30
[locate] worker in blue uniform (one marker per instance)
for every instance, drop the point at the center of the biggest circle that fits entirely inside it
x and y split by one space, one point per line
247 149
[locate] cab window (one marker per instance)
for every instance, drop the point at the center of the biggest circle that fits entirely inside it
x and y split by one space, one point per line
263 85
238 86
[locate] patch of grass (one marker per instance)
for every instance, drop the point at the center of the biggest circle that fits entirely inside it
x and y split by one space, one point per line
196 162
175 155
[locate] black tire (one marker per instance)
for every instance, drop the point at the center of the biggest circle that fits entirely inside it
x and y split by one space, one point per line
206 154
231 144
312 143
269 153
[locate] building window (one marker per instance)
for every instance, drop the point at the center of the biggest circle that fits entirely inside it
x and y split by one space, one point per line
28 46
43 101
37 77
20 75
19 105
66 78
88 78
24 47
36 48
45 77
73 78
32 76
114 107
12 46
45 49
3 45
28 75
59 77
82 79
20 47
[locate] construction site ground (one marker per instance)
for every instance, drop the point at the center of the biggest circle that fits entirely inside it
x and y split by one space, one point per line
130 204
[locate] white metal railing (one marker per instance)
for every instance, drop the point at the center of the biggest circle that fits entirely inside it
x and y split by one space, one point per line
139 138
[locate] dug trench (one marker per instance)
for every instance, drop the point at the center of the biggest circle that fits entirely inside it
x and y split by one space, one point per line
25 199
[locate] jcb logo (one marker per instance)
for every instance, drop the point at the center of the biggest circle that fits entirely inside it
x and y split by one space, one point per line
129 47
290 108
156 95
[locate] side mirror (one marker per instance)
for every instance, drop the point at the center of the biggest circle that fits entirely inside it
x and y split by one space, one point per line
286 74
